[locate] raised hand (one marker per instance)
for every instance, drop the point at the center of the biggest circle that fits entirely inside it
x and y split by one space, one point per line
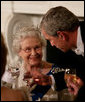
41 79
73 87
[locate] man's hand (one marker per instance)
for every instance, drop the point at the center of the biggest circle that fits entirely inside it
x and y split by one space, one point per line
73 87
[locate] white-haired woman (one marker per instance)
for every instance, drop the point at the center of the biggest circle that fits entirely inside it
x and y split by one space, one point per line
28 43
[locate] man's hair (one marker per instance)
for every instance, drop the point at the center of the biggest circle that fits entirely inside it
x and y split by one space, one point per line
3 55
59 19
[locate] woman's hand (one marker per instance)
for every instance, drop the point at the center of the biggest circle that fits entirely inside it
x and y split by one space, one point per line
35 77
41 79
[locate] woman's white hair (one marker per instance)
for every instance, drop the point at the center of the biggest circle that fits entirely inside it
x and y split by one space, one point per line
24 33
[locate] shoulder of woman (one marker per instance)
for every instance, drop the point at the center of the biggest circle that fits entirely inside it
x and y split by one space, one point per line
47 64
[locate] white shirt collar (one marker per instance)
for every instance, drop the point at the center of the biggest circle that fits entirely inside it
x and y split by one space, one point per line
80 46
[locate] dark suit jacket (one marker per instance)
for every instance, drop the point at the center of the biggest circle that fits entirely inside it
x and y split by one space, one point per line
69 59
81 95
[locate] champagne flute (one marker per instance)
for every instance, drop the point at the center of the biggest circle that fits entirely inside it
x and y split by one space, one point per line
70 73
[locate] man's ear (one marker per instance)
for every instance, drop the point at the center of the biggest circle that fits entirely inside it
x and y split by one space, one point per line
61 35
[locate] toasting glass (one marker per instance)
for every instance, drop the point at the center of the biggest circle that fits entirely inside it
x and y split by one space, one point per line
70 73
13 69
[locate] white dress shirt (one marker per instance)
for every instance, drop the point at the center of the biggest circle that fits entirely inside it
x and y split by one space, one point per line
80 45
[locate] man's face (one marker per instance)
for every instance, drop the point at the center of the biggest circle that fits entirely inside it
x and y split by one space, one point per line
58 42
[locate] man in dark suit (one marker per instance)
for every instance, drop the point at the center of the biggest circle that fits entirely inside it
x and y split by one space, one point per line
61 27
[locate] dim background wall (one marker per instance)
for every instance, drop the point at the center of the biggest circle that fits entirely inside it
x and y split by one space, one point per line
36 7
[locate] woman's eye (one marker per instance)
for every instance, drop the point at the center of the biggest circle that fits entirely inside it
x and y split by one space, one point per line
28 49
37 47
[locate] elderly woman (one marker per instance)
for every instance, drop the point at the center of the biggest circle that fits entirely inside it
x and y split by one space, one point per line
28 44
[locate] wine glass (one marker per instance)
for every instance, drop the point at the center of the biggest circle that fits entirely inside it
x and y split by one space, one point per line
70 73
13 69
28 79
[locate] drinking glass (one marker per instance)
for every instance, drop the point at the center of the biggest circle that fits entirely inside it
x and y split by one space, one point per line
70 73
13 69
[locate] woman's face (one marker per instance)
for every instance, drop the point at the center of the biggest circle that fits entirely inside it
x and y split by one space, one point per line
31 51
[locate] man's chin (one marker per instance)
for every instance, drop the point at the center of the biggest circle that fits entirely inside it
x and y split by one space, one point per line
63 50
